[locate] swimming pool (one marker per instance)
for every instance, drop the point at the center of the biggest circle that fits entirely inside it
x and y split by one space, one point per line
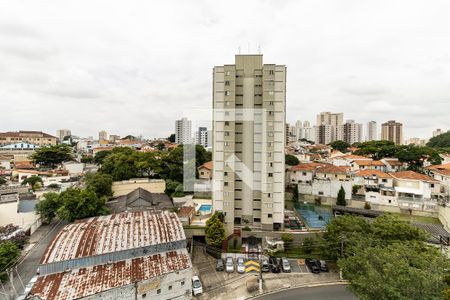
205 209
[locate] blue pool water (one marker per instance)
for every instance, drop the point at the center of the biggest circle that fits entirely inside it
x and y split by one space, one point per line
205 208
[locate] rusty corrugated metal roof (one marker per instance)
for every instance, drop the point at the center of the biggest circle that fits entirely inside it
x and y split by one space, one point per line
79 283
111 233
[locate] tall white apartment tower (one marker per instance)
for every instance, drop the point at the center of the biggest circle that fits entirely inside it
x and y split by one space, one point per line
371 131
183 131
249 101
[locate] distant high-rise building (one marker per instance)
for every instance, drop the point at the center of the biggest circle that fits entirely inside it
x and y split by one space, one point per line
437 132
183 131
392 131
352 132
204 137
249 99
335 120
113 137
371 131
323 134
62 133
102 136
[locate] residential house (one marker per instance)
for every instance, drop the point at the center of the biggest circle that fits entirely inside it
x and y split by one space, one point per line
139 200
38 138
17 207
376 186
442 174
365 164
121 188
205 171
186 213
392 164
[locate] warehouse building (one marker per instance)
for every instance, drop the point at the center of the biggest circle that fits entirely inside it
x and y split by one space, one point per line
131 255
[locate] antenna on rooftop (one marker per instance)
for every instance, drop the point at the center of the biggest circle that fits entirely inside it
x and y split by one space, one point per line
259 49
239 49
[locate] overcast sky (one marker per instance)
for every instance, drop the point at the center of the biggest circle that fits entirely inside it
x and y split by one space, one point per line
133 67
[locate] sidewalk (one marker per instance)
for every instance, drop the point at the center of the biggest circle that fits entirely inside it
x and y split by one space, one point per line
236 289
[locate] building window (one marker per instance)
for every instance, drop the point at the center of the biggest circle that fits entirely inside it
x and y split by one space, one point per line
170 287
271 113
269 195
225 184
270 103
304 173
228 73
270 174
227 123
271 72
225 173
226 133
269 215
182 282
227 93
321 193
432 185
158 291
256 220
227 82
144 295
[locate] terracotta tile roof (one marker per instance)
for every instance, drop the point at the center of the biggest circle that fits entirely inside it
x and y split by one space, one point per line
411 175
445 172
394 162
327 168
85 282
439 167
365 162
24 133
306 166
207 165
370 173
354 157
186 211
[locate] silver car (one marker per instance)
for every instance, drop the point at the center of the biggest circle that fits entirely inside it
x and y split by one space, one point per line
240 266
285 265
229 265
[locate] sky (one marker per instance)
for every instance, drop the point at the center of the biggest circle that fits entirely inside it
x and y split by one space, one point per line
133 67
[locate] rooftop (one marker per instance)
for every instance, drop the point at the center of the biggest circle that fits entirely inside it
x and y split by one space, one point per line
306 166
366 162
111 233
83 282
411 175
140 199
370 173
207 165
26 133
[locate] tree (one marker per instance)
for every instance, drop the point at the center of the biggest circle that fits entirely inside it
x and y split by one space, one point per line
171 138
287 238
48 206
340 146
440 141
341 197
215 231
100 183
32 181
100 156
291 160
79 204
50 156
308 245
367 205
2 180
13 233
87 159
295 197
9 252
407 270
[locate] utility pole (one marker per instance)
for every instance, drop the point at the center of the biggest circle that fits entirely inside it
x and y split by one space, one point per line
342 255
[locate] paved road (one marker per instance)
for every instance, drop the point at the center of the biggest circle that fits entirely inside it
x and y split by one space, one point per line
27 268
330 292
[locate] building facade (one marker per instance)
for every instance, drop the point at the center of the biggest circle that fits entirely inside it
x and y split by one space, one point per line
38 138
102 136
183 131
372 131
392 131
204 137
249 132
352 132
62 133
335 120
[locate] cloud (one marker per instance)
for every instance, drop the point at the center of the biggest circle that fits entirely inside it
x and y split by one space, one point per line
135 67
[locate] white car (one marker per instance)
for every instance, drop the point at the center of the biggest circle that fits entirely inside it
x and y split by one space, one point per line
197 288
229 265
240 265
286 265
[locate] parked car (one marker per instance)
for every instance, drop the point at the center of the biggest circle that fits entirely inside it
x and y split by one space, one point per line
313 265
229 265
197 288
274 265
265 266
219 265
323 266
286 265
240 266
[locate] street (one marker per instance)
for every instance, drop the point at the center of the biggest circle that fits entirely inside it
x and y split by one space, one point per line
331 292
28 267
